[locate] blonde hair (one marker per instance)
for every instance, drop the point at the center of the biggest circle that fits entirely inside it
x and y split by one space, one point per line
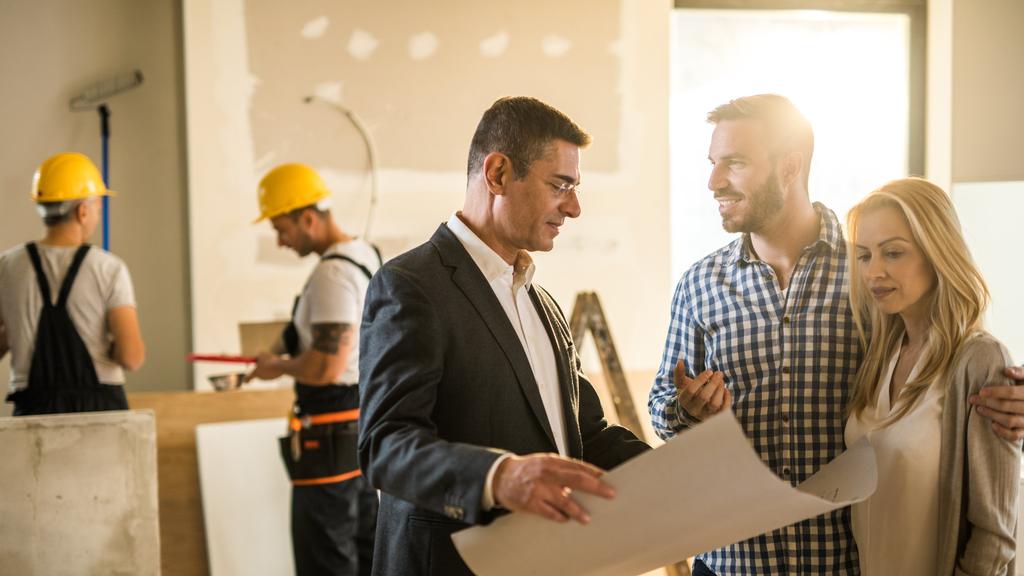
957 301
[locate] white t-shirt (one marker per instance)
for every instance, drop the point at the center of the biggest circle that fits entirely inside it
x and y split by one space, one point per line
334 294
102 284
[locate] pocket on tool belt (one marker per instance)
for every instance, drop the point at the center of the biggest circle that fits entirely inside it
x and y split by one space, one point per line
321 454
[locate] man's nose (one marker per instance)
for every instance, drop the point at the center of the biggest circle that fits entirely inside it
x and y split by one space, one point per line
571 206
717 180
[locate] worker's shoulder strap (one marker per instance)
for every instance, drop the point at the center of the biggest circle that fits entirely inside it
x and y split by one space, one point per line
69 278
380 260
364 269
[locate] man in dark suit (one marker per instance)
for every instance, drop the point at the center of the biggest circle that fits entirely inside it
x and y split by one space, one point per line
472 397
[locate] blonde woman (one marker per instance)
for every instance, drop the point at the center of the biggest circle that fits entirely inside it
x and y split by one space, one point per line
946 501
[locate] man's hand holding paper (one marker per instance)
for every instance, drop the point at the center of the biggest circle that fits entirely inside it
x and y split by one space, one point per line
542 484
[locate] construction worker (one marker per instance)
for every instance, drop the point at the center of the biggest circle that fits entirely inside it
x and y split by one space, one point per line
334 511
67 309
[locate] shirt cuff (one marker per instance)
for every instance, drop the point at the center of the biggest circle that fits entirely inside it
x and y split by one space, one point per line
686 419
487 500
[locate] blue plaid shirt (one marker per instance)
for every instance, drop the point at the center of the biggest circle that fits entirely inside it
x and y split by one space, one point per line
789 359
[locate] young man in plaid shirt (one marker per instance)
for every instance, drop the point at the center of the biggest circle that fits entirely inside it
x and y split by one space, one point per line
763 325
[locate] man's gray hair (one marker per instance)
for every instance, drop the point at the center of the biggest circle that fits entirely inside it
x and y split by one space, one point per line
54 213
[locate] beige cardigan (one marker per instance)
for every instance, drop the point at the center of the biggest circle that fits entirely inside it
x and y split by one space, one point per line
979 472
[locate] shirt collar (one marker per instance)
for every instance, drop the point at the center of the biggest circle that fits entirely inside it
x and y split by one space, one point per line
830 235
488 261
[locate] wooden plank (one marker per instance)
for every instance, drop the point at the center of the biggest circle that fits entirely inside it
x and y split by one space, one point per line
182 537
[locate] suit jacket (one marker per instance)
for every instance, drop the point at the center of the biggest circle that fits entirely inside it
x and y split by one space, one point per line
445 389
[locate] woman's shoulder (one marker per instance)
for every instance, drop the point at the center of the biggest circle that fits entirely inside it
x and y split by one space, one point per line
980 360
983 345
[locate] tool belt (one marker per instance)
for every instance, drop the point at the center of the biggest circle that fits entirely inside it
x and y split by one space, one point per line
321 448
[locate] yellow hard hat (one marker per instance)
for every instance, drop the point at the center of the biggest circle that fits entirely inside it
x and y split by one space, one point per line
67 176
289 187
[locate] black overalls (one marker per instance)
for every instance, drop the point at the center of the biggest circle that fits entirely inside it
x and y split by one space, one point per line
62 377
333 521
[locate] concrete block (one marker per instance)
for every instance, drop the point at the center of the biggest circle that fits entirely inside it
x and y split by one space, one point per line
78 495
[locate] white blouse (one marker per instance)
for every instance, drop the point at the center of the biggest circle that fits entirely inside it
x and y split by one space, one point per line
896 529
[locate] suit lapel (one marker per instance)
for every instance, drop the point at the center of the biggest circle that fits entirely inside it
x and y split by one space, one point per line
470 280
565 360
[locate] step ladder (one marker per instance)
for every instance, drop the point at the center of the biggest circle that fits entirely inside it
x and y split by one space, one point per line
588 315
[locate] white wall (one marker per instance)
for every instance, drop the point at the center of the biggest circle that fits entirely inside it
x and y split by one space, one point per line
976 84
988 212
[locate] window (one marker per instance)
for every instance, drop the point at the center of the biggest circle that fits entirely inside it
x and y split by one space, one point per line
849 72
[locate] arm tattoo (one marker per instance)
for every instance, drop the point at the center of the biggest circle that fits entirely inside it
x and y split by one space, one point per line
327 338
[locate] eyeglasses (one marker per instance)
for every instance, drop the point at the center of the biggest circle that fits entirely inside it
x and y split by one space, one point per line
561 190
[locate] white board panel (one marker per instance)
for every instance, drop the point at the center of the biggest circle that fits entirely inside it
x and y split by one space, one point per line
246 498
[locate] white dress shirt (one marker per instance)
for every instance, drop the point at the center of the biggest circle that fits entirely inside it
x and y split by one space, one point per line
897 528
511 285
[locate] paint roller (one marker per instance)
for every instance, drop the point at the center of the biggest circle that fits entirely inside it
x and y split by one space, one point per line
94 97
371 154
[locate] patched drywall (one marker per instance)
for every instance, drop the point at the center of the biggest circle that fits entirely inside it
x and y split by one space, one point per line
604 63
418 74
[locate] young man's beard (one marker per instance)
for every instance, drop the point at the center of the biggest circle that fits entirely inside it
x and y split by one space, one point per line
763 205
